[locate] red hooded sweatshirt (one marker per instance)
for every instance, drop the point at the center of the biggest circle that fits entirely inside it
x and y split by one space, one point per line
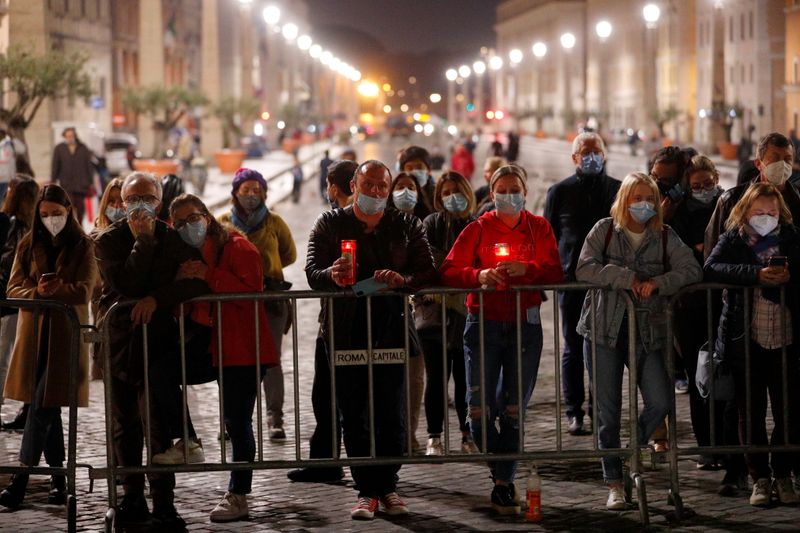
532 242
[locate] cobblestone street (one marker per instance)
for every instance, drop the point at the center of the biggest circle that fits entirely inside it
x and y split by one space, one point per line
445 497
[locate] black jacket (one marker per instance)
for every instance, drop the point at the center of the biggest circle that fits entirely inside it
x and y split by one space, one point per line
690 221
442 230
716 226
573 206
15 231
135 268
73 171
733 261
398 243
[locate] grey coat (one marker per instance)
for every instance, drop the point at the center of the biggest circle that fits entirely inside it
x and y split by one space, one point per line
617 271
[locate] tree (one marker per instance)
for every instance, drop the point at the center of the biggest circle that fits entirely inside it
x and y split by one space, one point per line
232 112
724 115
164 106
31 79
662 116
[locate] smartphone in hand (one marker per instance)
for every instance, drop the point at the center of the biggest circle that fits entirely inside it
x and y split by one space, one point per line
47 277
777 261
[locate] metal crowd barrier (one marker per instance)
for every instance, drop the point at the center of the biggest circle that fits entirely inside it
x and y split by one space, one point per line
73 353
372 358
675 450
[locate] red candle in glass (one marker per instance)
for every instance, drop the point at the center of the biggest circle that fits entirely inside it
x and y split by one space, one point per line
349 251
502 252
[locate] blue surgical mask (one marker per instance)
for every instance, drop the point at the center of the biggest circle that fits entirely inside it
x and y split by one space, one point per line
404 199
369 205
592 164
194 234
509 204
130 208
421 175
704 196
455 203
642 212
115 213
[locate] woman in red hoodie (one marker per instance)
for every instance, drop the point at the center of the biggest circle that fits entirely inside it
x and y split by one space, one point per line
532 259
230 264
462 162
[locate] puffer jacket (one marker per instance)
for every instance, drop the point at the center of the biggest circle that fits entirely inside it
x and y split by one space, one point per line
733 261
398 243
615 266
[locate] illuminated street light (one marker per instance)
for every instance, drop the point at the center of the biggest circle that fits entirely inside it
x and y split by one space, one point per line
356 75
603 29
368 89
539 49
479 67
272 15
281 124
335 64
387 109
452 130
436 98
245 2
315 51
464 71
495 62
304 42
568 41
325 57
515 56
290 31
404 108
651 14
451 74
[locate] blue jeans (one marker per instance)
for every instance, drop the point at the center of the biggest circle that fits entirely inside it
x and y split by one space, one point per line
239 393
653 385
500 348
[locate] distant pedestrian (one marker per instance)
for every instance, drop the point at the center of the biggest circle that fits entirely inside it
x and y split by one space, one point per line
8 162
744 152
496 148
482 196
297 180
323 175
512 152
437 159
55 261
340 174
272 238
462 162
72 168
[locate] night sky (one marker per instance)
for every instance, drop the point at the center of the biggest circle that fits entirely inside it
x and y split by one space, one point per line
390 40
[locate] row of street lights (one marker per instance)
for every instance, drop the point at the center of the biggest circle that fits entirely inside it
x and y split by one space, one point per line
651 13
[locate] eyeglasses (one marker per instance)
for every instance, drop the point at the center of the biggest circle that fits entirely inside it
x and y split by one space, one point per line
705 186
145 198
191 219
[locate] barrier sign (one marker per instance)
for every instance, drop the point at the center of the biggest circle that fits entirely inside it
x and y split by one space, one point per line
380 356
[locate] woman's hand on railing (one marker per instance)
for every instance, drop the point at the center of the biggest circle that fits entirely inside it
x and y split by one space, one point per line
194 269
391 278
643 290
143 311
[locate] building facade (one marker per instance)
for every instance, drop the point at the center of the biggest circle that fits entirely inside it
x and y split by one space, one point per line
792 65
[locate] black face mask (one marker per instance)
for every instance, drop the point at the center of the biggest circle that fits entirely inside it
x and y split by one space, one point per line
664 186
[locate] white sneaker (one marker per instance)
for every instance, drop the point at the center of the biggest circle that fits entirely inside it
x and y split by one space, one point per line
232 507
174 455
616 499
435 446
785 491
468 446
761 492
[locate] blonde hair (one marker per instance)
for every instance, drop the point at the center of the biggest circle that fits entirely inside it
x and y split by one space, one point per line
102 221
463 187
699 163
759 189
619 210
493 163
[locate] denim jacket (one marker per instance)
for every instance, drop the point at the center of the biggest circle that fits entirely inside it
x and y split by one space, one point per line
616 269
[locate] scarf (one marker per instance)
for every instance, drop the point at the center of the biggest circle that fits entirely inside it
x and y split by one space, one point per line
764 248
249 223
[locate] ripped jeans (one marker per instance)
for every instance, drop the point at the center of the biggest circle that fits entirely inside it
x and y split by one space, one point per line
500 348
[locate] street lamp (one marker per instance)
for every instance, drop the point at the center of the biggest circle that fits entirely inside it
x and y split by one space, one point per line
495 62
479 67
451 74
568 41
435 98
325 57
651 14
315 51
603 29
271 14
515 56
290 31
539 49
304 42
464 71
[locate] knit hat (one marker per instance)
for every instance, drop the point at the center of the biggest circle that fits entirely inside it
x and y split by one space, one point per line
247 174
509 170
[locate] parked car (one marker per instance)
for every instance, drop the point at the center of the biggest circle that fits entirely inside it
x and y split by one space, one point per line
121 150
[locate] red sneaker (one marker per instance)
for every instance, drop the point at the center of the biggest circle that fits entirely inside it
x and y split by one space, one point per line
393 505
365 510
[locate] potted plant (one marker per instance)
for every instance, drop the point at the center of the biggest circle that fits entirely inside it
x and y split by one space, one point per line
663 116
724 115
165 107
232 113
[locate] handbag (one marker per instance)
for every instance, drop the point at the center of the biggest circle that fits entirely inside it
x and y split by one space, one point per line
427 312
709 363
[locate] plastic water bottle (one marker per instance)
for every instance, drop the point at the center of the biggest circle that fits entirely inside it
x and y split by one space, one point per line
533 494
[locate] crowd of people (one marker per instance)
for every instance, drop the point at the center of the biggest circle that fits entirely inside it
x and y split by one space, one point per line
650 234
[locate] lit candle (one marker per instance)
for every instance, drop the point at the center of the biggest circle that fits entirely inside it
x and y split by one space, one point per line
349 251
502 252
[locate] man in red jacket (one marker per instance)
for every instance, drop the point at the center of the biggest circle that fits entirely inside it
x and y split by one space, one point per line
506 246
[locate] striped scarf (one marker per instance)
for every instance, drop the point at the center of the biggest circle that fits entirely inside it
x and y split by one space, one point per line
764 248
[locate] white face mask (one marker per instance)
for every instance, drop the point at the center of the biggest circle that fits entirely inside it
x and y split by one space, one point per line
778 172
763 224
55 223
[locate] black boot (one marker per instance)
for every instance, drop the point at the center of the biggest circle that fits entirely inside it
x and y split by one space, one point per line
18 424
58 491
13 495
